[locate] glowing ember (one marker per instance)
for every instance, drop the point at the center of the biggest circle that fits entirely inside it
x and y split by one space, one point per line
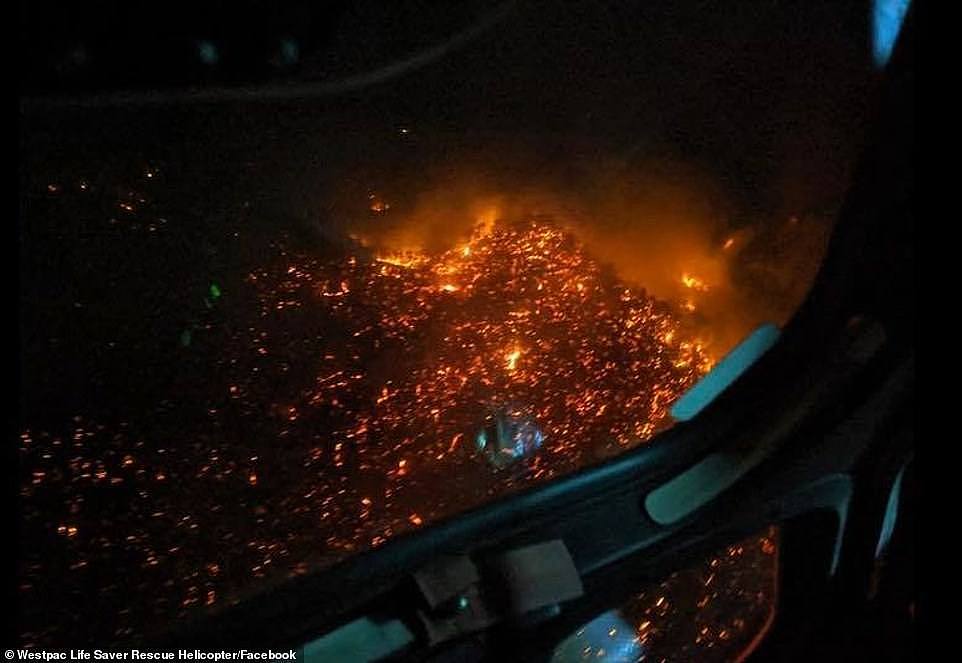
512 359
377 204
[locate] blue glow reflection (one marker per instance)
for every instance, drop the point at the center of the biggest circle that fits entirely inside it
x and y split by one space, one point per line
887 17
507 438
607 637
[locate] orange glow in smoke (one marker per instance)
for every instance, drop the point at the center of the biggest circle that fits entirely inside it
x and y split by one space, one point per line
693 282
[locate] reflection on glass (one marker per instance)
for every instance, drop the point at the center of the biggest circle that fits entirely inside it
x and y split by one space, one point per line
887 17
717 610
507 438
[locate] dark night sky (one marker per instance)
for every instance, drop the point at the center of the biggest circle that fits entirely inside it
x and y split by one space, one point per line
765 93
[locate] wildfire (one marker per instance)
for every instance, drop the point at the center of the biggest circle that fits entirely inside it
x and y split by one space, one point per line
512 359
365 381
602 363
346 395
693 282
409 259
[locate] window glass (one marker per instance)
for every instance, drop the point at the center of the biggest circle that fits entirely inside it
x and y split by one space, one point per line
452 253
717 610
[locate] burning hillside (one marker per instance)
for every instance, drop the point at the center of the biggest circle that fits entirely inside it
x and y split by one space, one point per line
518 319
323 406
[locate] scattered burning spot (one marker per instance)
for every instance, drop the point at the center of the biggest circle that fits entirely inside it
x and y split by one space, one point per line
536 322
403 259
511 359
693 282
377 204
